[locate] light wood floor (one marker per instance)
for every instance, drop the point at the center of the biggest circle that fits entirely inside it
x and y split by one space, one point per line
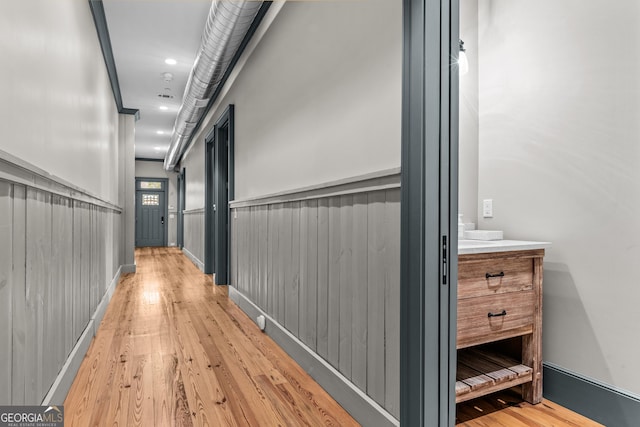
174 350
506 409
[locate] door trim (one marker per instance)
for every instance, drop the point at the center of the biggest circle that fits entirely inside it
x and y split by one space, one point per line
428 209
209 201
218 173
165 190
182 188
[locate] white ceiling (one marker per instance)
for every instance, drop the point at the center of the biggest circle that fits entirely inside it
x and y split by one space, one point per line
143 34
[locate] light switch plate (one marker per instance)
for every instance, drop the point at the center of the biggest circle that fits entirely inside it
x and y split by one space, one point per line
487 208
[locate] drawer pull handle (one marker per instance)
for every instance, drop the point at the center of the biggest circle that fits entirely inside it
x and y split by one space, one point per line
504 313
489 275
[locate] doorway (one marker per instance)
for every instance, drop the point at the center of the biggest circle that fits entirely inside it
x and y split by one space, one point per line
151 212
218 191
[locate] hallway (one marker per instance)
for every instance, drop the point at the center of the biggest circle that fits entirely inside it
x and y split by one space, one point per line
173 350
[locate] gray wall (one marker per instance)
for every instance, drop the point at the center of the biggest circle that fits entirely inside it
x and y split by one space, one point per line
148 169
328 270
62 163
559 106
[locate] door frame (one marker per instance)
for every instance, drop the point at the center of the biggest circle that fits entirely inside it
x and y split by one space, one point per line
219 190
165 187
182 187
428 284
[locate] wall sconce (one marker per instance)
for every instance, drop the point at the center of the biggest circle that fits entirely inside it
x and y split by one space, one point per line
463 62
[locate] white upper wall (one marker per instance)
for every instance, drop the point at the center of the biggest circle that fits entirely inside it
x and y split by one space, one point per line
58 111
468 134
560 157
318 100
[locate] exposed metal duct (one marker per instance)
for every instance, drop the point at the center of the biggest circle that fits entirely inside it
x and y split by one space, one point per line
227 25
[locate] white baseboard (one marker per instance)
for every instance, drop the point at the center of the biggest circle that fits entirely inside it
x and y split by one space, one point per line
58 391
193 259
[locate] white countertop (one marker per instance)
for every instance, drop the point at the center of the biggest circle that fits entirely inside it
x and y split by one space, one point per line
466 247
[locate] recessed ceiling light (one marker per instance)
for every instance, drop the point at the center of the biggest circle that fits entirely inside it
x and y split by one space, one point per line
170 61
163 107
159 148
160 132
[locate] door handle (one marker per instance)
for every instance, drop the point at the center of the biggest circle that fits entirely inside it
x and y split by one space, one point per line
162 220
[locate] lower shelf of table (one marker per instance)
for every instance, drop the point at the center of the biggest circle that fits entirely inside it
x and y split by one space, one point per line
481 372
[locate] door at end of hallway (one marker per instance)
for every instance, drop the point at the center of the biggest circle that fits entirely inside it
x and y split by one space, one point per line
151 212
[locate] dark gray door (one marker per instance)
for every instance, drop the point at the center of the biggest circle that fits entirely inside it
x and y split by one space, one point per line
150 218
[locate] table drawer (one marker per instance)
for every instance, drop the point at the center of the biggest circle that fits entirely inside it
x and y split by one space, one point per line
495 317
494 276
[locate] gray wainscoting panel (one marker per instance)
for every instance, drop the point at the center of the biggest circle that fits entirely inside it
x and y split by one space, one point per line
309 273
58 323
260 241
6 314
19 283
57 258
377 246
333 303
322 306
194 236
392 303
346 284
328 270
360 285
38 289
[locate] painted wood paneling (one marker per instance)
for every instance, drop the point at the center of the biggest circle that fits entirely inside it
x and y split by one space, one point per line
38 284
19 283
77 299
292 268
6 283
392 303
360 285
309 273
286 245
233 251
278 262
333 303
377 267
328 270
272 274
57 341
263 249
58 257
322 346
347 287
194 233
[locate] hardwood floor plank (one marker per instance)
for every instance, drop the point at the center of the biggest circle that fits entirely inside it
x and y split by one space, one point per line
506 408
